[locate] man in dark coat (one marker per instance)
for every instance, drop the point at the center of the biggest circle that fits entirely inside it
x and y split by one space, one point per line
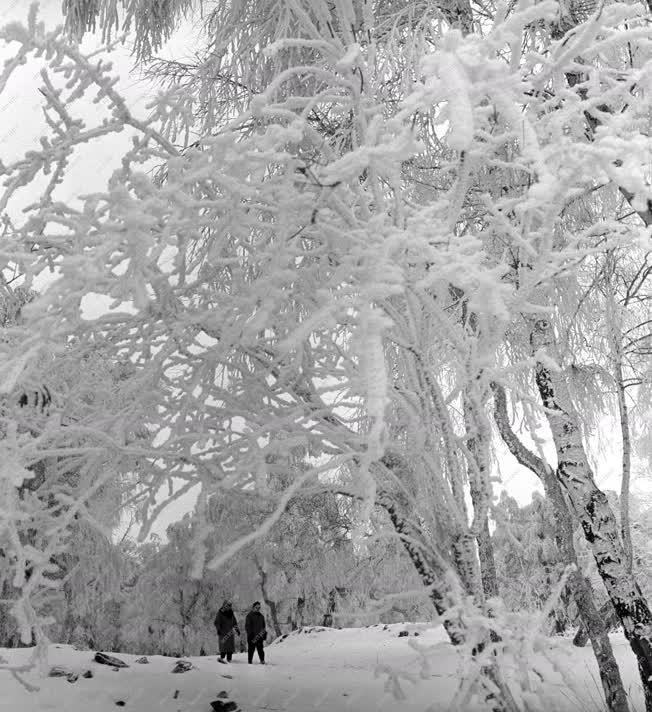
226 626
256 633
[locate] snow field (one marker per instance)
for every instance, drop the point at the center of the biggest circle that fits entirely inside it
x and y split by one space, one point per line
350 670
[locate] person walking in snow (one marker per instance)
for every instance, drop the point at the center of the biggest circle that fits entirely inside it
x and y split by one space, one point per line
226 626
256 633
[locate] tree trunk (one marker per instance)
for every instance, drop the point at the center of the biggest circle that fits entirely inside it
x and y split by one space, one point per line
608 619
623 412
331 605
612 683
432 573
591 506
273 614
465 559
625 525
7 621
592 620
487 561
436 576
432 577
486 555
616 342
478 437
301 605
68 625
271 605
480 490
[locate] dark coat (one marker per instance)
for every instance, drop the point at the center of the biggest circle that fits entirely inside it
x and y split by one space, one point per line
226 626
255 626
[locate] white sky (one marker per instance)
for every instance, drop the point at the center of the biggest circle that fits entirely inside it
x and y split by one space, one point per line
21 125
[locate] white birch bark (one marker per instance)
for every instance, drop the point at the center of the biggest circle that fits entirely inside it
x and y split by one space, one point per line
590 503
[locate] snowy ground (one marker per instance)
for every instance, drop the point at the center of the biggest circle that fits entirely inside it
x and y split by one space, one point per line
329 670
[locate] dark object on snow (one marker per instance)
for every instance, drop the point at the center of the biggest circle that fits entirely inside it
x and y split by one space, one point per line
175 695
228 677
104 659
121 703
224 695
182 666
226 626
256 633
58 671
328 620
224 706
416 632
88 674
403 634
385 627
72 677
115 669
143 660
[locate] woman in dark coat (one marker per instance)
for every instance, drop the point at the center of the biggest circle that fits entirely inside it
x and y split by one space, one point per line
226 626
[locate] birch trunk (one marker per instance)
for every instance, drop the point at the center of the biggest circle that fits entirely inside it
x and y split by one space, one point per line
625 524
612 683
590 504
444 591
608 619
616 343
487 559
432 572
592 621
480 490
465 559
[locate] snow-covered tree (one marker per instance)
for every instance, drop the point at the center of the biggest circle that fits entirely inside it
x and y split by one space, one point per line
373 219
527 558
166 610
